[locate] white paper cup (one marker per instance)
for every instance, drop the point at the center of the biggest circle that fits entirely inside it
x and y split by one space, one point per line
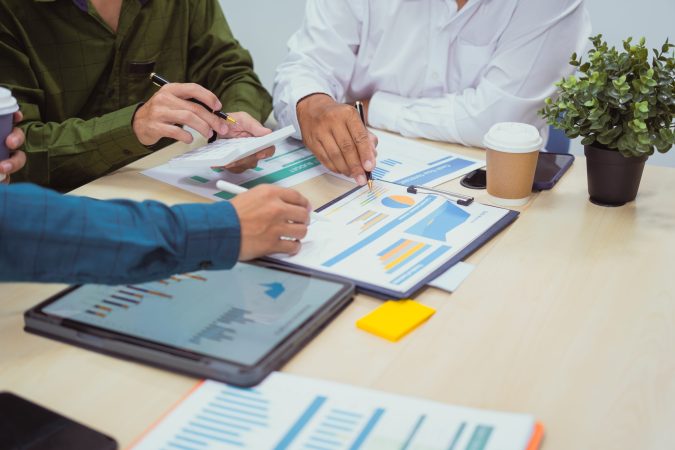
512 152
8 106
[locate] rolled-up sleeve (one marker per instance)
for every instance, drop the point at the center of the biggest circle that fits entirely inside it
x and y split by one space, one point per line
321 57
49 237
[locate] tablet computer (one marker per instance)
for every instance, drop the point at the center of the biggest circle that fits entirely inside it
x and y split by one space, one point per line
234 326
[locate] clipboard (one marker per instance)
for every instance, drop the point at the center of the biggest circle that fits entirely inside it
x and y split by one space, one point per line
383 292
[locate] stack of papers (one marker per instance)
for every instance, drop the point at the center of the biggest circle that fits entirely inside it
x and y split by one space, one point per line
292 412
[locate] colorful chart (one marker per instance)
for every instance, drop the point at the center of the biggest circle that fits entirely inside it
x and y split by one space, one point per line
368 219
398 201
400 253
439 223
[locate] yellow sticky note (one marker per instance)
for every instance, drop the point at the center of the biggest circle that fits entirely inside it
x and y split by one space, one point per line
395 319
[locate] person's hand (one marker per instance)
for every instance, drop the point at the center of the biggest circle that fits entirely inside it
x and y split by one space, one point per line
266 214
17 160
246 126
169 108
335 134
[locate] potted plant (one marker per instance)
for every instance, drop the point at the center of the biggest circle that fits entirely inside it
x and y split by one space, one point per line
623 107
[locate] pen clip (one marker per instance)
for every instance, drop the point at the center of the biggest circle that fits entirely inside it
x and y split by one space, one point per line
461 199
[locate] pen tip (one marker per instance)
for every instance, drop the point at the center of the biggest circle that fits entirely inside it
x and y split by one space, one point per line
370 185
230 119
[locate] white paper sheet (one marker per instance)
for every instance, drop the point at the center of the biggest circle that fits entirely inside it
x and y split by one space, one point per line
292 412
389 238
400 160
450 280
291 164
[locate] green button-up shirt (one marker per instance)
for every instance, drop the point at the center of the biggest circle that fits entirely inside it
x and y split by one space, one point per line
79 83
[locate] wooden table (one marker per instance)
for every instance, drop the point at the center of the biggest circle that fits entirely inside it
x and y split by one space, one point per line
569 315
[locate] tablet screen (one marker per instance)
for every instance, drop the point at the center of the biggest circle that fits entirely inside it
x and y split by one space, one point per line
237 315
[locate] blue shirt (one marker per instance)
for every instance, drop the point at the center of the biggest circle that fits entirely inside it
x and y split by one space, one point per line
48 237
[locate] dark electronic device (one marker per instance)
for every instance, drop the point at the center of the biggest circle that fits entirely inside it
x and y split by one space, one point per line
27 426
550 168
234 326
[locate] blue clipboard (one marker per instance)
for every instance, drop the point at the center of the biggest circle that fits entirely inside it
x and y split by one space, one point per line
388 294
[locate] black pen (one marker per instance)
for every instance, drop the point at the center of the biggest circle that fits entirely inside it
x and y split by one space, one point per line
359 108
161 81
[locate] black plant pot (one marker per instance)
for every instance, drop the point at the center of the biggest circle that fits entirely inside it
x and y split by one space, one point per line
613 179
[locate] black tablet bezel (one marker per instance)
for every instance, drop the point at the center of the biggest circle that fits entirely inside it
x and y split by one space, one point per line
185 361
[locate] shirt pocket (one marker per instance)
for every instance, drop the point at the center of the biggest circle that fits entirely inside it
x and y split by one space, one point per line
471 61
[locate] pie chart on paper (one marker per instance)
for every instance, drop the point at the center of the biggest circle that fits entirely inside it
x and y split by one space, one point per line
398 201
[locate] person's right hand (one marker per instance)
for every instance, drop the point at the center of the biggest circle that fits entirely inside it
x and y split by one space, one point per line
335 133
266 214
170 106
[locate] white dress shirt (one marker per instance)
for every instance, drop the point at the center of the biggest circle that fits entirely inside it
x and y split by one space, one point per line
432 71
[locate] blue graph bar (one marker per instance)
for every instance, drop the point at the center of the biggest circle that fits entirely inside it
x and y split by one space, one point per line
224 424
212 437
335 427
379 233
346 420
295 430
367 429
181 447
237 402
209 428
391 162
433 173
447 158
237 418
349 413
324 441
458 434
379 172
420 265
390 248
238 411
414 432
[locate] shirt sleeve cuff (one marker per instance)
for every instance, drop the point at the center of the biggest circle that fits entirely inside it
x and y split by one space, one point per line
385 110
303 88
118 137
213 236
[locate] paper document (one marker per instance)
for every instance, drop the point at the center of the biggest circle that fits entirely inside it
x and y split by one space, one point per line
389 239
407 161
225 151
290 412
400 160
291 164
453 277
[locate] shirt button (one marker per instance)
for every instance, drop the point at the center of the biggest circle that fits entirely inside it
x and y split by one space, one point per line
434 75
127 152
205 265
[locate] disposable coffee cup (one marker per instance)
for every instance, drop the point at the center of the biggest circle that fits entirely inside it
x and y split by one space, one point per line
8 106
512 152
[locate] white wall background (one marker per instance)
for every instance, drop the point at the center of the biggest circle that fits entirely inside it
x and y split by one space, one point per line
264 26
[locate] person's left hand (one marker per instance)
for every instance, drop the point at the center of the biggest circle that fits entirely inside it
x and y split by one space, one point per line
246 126
14 141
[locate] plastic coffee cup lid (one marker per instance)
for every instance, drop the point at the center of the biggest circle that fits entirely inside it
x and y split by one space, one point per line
8 104
513 137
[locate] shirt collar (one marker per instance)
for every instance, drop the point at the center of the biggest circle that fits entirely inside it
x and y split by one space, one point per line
83 5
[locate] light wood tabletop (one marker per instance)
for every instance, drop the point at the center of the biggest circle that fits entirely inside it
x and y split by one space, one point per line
569 315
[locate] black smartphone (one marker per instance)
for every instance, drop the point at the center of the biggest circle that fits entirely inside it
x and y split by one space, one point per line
550 168
27 426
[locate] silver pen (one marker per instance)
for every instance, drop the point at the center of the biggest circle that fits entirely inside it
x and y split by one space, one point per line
461 199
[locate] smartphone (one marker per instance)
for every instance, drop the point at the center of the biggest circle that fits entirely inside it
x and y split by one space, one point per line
550 168
27 426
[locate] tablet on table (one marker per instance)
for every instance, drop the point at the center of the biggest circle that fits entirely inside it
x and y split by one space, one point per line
234 326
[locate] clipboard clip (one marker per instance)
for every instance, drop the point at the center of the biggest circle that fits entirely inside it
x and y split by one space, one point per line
461 199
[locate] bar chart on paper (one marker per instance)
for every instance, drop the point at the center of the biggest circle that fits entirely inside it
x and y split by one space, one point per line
289 412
